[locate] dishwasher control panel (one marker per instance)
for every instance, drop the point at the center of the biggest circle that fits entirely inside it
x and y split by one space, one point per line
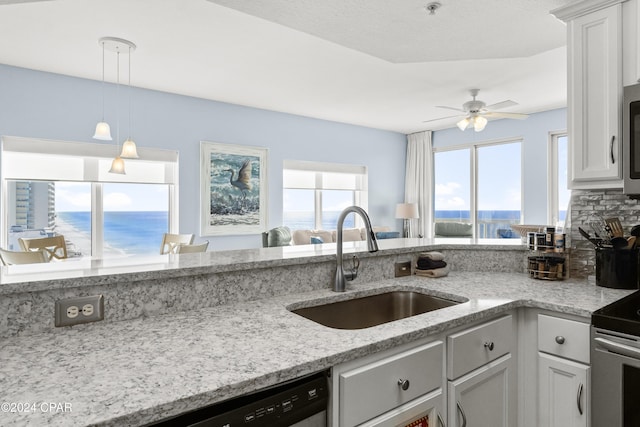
278 406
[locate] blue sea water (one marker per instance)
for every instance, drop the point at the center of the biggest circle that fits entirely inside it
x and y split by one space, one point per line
132 232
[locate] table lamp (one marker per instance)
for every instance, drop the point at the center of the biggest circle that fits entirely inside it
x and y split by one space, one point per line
407 211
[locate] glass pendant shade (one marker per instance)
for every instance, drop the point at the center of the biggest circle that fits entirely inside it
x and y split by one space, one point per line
117 166
103 131
462 124
479 123
129 150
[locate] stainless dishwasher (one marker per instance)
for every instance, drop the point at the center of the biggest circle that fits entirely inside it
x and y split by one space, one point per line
297 403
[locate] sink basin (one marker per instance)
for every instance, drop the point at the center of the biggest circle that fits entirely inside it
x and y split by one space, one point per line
360 313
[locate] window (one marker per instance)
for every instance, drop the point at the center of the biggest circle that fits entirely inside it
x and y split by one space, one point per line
479 185
559 193
315 193
52 187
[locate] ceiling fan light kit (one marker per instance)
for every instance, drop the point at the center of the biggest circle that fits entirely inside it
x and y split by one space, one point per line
477 111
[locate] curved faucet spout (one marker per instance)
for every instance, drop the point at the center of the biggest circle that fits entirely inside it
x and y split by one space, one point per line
372 246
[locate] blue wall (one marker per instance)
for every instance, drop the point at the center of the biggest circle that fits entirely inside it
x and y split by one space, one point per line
51 106
534 132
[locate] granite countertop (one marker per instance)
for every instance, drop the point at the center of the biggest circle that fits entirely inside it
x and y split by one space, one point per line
79 272
137 371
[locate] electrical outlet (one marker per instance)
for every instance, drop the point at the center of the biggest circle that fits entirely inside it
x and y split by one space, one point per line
72 311
402 269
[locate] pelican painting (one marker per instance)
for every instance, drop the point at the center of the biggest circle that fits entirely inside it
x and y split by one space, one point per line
235 188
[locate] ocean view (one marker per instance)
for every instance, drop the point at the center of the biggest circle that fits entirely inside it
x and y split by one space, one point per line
127 232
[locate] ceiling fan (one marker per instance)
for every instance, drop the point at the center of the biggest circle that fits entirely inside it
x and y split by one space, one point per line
477 111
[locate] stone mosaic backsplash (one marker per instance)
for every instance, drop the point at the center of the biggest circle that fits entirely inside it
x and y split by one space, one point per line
592 205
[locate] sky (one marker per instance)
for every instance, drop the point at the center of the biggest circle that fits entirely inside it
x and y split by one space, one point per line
76 197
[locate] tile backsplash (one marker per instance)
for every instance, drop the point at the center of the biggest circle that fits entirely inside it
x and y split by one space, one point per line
592 205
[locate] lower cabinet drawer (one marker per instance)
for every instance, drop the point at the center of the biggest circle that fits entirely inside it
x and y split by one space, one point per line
427 408
563 337
374 389
476 346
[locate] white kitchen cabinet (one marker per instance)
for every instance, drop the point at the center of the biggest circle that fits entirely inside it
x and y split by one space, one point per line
484 397
389 384
630 42
563 387
482 388
594 46
563 372
428 408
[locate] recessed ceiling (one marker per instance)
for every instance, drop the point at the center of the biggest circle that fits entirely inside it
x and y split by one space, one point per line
404 31
371 63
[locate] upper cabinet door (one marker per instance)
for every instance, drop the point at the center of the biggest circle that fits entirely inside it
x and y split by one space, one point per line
595 88
630 43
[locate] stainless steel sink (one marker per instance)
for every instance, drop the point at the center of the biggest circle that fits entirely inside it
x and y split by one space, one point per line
360 313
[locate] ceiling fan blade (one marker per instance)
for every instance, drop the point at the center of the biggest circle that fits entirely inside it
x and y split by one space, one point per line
450 108
518 116
503 104
443 118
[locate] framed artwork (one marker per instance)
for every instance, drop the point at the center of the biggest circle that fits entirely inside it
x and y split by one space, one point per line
233 185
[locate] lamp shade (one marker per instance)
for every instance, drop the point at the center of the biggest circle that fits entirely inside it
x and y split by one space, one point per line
103 131
407 210
462 124
129 150
479 123
117 166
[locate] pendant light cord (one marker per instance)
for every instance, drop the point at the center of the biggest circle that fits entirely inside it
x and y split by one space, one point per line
117 102
129 91
103 81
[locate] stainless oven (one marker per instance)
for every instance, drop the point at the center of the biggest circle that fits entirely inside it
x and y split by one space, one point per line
615 379
615 364
631 139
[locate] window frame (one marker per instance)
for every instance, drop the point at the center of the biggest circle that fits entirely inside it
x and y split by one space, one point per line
553 180
359 196
473 175
93 157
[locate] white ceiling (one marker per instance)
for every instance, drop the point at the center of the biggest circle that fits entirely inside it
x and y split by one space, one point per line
377 63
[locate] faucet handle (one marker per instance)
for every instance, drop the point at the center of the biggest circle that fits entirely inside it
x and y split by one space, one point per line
352 273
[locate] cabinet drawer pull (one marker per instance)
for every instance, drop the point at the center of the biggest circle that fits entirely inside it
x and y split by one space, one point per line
404 384
464 417
613 160
560 339
441 421
580 388
489 345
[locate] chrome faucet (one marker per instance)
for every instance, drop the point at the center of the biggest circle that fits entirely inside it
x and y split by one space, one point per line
372 246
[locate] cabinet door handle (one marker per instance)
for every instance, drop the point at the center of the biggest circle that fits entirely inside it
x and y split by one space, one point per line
613 160
464 417
580 388
560 339
404 384
489 345
441 421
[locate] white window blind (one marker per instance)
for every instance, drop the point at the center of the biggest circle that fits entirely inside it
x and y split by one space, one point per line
299 174
37 159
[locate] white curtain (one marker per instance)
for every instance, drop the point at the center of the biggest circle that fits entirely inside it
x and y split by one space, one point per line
418 181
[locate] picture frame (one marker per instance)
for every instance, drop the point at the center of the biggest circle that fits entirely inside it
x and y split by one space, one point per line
233 187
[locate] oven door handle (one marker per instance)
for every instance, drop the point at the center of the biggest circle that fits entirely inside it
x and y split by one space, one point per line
615 347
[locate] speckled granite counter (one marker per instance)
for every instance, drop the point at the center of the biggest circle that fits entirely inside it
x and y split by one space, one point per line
136 371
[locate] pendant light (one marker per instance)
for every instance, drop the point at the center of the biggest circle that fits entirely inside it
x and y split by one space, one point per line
119 46
129 150
117 166
103 131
